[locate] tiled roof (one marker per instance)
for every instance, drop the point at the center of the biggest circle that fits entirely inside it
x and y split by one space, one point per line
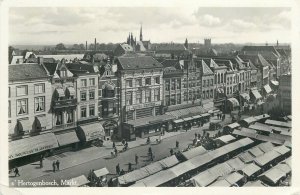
206 70
170 47
260 49
78 69
51 67
171 63
26 72
138 62
45 60
257 59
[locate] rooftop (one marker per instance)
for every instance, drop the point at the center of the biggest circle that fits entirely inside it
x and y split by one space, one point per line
132 62
26 72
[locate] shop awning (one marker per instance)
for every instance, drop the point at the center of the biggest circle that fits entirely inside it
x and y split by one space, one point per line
150 120
266 158
158 178
178 121
276 83
273 175
60 92
186 112
255 151
201 160
234 178
245 96
266 147
267 89
234 102
194 152
282 150
256 94
218 152
278 123
182 168
101 172
246 157
233 125
169 161
205 115
66 138
71 91
245 141
188 119
91 131
204 179
25 125
41 121
78 181
226 138
236 163
251 169
153 168
133 176
249 120
259 127
262 116
284 168
32 145
220 183
196 117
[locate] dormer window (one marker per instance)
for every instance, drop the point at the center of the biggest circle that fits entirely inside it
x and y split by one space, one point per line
63 73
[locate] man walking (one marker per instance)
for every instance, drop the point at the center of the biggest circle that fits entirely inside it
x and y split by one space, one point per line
129 167
136 159
177 144
53 166
118 169
16 172
41 161
57 164
114 145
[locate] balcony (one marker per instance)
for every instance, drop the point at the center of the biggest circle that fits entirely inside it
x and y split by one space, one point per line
64 103
64 126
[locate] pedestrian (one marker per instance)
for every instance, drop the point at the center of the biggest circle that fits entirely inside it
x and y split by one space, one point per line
118 169
195 135
116 151
171 151
199 136
41 161
136 159
16 172
129 166
150 150
122 172
53 166
57 164
177 144
114 145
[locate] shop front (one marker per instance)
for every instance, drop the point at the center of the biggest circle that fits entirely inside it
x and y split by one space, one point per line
67 140
232 104
30 148
146 127
110 128
91 133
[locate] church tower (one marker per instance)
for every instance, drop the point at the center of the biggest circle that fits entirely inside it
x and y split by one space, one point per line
141 33
186 44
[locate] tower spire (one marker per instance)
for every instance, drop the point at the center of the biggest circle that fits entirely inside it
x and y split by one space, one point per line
141 33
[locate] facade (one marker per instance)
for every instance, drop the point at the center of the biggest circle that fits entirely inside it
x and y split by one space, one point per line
207 77
109 99
285 95
141 88
29 116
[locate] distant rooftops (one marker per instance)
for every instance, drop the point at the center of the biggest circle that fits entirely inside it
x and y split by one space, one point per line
138 62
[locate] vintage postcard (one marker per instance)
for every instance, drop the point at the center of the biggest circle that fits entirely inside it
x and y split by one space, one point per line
126 94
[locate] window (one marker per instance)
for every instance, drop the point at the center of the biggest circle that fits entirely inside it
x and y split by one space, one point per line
147 96
190 95
138 82
70 117
173 99
148 81
22 106
222 78
218 79
92 110
129 98
167 100
83 112
167 85
22 90
83 96
59 117
63 73
156 95
39 88
39 104
215 79
207 94
185 96
8 91
178 99
204 95
92 95
173 84
212 82
230 80
129 83
198 94
211 93
204 83
83 82
157 80
138 97
178 84
92 81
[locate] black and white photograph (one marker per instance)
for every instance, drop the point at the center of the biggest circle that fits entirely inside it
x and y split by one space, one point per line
149 96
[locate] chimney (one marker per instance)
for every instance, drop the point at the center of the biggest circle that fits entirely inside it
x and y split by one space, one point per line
95 44
40 60
277 43
86 45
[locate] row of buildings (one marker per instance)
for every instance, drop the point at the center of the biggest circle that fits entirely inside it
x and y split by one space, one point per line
58 105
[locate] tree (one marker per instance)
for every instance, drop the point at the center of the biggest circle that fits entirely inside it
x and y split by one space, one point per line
60 46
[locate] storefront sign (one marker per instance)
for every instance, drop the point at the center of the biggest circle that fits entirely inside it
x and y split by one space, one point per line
30 151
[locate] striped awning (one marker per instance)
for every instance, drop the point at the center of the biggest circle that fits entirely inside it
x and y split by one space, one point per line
60 92
67 138
234 102
71 91
92 131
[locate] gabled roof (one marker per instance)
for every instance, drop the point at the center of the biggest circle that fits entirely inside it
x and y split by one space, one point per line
205 69
79 69
26 72
133 62
260 49
257 59
51 67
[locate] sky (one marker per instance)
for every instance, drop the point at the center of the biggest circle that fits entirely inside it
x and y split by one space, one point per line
70 25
